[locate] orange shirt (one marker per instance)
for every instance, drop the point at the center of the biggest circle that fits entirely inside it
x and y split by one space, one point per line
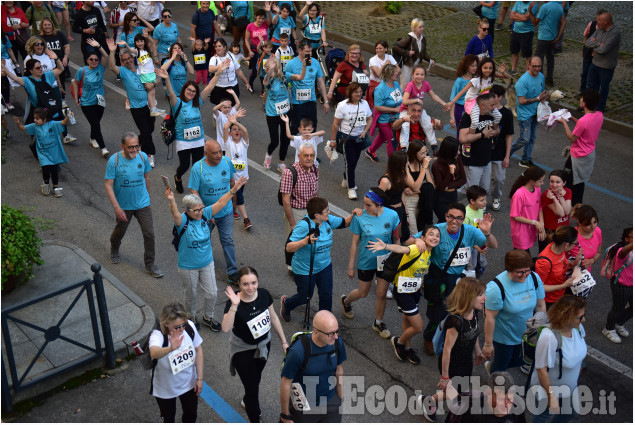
552 273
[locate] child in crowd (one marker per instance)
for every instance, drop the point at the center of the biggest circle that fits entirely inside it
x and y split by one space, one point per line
264 51
285 51
474 212
282 23
589 234
236 140
306 135
621 254
145 69
525 213
234 48
223 110
200 63
556 204
48 144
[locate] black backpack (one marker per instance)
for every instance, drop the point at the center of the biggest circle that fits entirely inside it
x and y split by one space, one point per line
391 266
168 126
500 285
305 339
176 240
47 97
288 256
294 174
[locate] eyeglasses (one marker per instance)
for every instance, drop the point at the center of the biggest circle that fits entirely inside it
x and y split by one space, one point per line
522 272
181 326
329 334
354 53
580 317
133 147
134 20
38 44
450 217
167 16
37 67
197 210
485 29
326 211
93 59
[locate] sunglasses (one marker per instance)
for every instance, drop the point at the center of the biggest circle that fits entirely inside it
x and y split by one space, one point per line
93 59
177 327
485 29
37 67
134 20
38 44
167 16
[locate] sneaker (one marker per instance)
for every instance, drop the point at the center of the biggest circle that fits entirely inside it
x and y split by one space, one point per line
213 325
155 112
114 256
498 27
242 403
612 336
400 349
284 314
429 407
412 357
525 164
104 152
178 185
389 292
371 156
68 138
513 72
232 278
488 367
347 310
344 184
118 80
45 189
496 204
94 143
151 160
281 168
10 106
267 163
381 329
154 271
525 369
621 330
236 216
247 224
352 194
57 192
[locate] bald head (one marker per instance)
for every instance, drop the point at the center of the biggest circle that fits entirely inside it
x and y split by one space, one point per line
325 328
213 152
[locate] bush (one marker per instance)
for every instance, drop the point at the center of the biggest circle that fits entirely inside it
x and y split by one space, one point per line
393 7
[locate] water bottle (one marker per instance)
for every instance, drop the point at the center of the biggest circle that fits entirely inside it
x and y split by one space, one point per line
71 117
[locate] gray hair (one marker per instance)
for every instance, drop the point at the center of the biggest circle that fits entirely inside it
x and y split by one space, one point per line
128 135
306 145
191 200
501 381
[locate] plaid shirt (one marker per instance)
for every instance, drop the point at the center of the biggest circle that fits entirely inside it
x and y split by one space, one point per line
306 186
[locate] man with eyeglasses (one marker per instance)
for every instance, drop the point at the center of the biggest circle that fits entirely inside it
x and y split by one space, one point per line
90 24
315 361
445 269
127 183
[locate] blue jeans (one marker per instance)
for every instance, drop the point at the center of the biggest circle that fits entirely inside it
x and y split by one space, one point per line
526 137
225 226
600 79
324 281
506 356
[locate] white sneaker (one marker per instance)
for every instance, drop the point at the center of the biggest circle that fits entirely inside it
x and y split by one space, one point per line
57 192
612 336
525 369
344 184
281 168
104 152
389 292
151 160
94 143
64 104
69 139
45 189
352 194
496 204
155 112
621 330
267 163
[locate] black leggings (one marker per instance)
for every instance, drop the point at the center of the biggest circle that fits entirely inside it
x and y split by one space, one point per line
6 90
21 49
403 219
93 114
184 160
253 65
145 124
189 405
277 133
619 313
250 371
50 171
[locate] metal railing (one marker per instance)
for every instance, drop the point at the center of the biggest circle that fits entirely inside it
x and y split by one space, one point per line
53 333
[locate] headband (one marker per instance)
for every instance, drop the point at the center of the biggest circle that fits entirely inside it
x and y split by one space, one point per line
375 197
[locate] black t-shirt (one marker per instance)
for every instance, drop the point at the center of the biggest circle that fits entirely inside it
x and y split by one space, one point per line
92 18
56 43
244 323
507 127
461 357
481 151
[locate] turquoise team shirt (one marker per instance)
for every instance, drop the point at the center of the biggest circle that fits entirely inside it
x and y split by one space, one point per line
129 38
195 246
371 228
490 12
135 90
178 76
49 77
530 87
276 93
519 304
322 247
288 25
442 251
166 36
241 8
313 30
48 142
189 117
212 182
129 180
5 49
93 84
459 84
549 15
390 97
294 66
522 7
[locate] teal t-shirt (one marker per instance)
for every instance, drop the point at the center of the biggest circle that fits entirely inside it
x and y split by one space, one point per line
195 246
5 49
166 36
549 15
92 85
530 87
490 12
50 79
188 121
277 98
304 90
518 307
371 228
48 142
212 182
390 97
129 180
178 76
321 248
442 251
459 84
282 26
313 30
522 7
129 38
135 90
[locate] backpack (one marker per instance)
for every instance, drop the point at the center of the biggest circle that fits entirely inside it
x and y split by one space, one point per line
438 340
47 97
500 285
288 256
607 269
395 54
294 175
305 340
176 240
168 126
391 265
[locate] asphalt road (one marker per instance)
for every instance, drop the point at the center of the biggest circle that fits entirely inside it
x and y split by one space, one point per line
84 217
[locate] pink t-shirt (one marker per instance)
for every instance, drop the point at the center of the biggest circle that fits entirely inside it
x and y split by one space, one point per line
524 204
254 31
587 130
590 246
415 92
626 277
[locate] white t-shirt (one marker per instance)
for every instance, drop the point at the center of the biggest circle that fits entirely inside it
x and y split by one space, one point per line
221 120
375 61
167 384
149 10
284 55
146 65
478 87
100 5
228 76
350 113
299 141
237 152
47 63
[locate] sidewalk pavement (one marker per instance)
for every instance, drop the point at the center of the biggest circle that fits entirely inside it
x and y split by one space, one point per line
64 264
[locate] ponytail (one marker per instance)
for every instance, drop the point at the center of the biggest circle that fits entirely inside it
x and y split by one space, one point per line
532 173
622 243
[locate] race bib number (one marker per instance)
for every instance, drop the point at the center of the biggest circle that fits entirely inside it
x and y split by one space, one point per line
381 259
260 325
14 21
462 257
285 31
315 28
282 107
477 222
361 120
192 133
303 94
298 398
145 58
181 359
408 285
199 59
396 96
583 284
101 101
264 63
239 165
361 78
285 58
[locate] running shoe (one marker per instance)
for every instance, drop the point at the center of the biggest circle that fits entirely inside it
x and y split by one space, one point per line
498 27
281 168
381 329
526 164
57 192
94 143
267 163
236 216
389 292
344 184
525 369
68 139
178 185
212 324
154 271
45 189
496 204
347 310
621 330
286 316
371 156
247 224
612 336
412 357
352 194
513 72
104 152
232 278
400 349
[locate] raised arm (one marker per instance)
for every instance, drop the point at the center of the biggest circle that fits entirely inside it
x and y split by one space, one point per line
174 209
112 64
162 73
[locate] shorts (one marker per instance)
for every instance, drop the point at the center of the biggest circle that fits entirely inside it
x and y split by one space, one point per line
58 9
407 304
521 41
148 78
367 275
